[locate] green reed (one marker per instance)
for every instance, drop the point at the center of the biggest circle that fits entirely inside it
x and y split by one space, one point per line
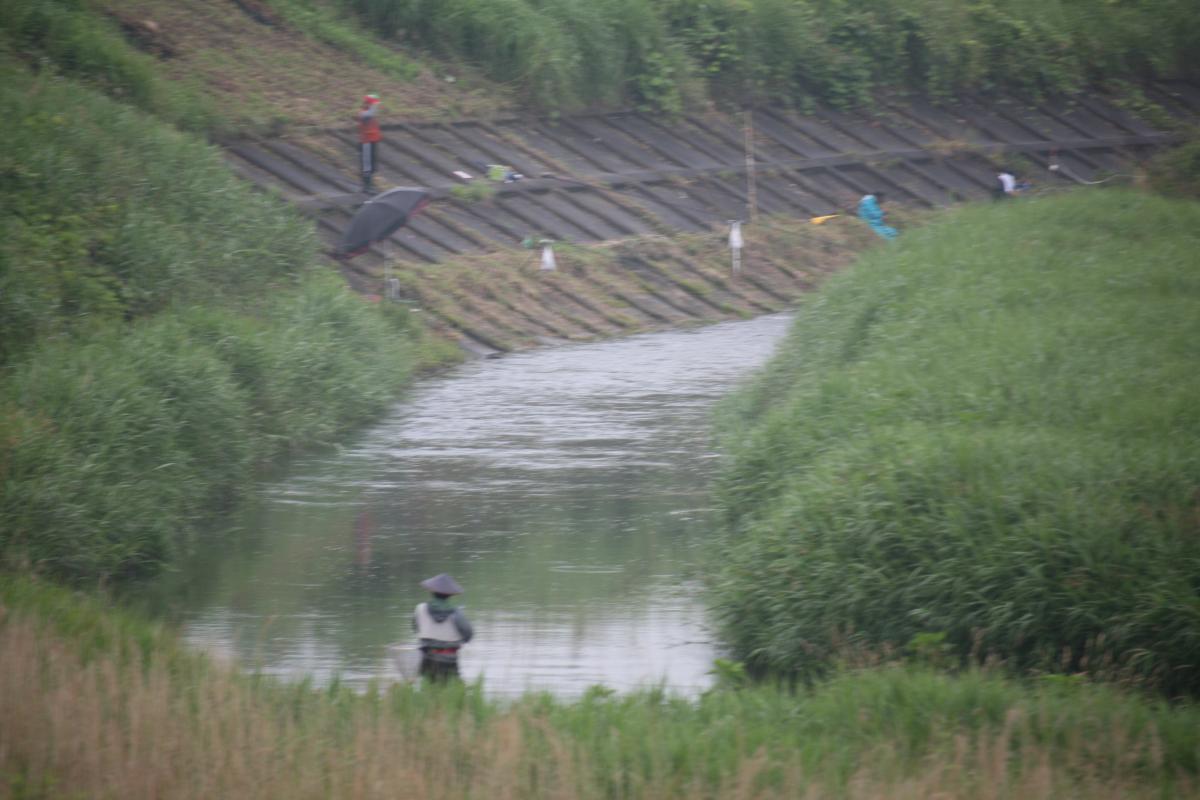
165 331
114 447
80 676
566 55
985 431
109 214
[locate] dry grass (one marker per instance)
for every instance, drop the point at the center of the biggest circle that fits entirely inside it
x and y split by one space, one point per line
115 723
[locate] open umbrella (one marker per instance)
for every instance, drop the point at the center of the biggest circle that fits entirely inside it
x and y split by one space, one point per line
379 218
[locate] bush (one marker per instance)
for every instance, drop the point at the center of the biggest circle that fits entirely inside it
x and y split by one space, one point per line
1176 173
985 431
115 446
110 451
567 55
109 215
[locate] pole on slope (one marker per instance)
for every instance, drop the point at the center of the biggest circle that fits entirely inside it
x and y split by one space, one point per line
735 244
751 188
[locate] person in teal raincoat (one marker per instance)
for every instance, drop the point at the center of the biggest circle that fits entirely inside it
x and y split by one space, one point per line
870 211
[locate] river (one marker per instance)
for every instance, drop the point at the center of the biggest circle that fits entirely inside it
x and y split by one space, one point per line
566 488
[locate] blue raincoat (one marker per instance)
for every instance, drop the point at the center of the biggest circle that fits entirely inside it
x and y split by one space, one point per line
870 213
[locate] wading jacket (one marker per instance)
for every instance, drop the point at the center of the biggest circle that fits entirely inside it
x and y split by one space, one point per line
441 627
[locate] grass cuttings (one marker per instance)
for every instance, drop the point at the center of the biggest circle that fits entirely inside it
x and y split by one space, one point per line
986 432
96 703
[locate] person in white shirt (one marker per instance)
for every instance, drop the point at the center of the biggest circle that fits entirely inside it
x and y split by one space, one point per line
1006 185
442 629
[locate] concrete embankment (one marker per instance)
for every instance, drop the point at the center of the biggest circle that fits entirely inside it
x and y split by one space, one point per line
639 207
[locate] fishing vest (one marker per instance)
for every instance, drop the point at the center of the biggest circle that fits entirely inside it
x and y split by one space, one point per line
429 628
368 128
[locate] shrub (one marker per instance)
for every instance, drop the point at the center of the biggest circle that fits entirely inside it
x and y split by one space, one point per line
566 55
111 450
108 214
1176 173
70 37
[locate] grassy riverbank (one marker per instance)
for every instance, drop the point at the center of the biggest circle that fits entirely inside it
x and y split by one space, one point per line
94 702
985 433
164 331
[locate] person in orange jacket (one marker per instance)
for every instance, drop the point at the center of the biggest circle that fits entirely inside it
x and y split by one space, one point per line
369 136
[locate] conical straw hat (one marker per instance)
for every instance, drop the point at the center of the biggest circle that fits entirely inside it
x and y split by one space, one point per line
442 584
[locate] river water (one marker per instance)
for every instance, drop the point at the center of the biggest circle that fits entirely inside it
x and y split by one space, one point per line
565 488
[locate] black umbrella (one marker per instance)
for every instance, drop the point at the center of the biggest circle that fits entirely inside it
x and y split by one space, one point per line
379 218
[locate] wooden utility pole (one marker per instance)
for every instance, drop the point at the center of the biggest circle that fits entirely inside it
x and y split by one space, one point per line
751 189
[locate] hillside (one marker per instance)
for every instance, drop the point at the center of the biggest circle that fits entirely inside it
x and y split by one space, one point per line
166 331
277 65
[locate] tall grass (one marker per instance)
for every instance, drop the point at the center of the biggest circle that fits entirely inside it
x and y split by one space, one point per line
108 214
561 54
114 447
566 54
319 22
94 703
988 432
164 332
1176 172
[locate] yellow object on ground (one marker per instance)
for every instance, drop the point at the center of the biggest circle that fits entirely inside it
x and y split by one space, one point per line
824 219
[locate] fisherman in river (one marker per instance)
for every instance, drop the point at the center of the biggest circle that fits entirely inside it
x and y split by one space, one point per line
442 628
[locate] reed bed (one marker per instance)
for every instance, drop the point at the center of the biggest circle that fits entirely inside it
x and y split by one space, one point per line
94 703
985 433
165 331
566 54
109 215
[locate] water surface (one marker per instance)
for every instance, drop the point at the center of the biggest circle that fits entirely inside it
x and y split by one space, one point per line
565 488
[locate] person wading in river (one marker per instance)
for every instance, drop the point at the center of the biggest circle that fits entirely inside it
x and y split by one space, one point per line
442 628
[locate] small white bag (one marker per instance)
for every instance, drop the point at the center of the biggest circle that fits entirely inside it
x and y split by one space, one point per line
407 658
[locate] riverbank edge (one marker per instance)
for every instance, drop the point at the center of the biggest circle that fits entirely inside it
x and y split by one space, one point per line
87 686
978 444
504 301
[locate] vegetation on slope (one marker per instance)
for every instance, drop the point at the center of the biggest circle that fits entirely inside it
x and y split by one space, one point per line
986 432
567 54
214 67
68 37
1176 172
96 703
164 331
111 215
